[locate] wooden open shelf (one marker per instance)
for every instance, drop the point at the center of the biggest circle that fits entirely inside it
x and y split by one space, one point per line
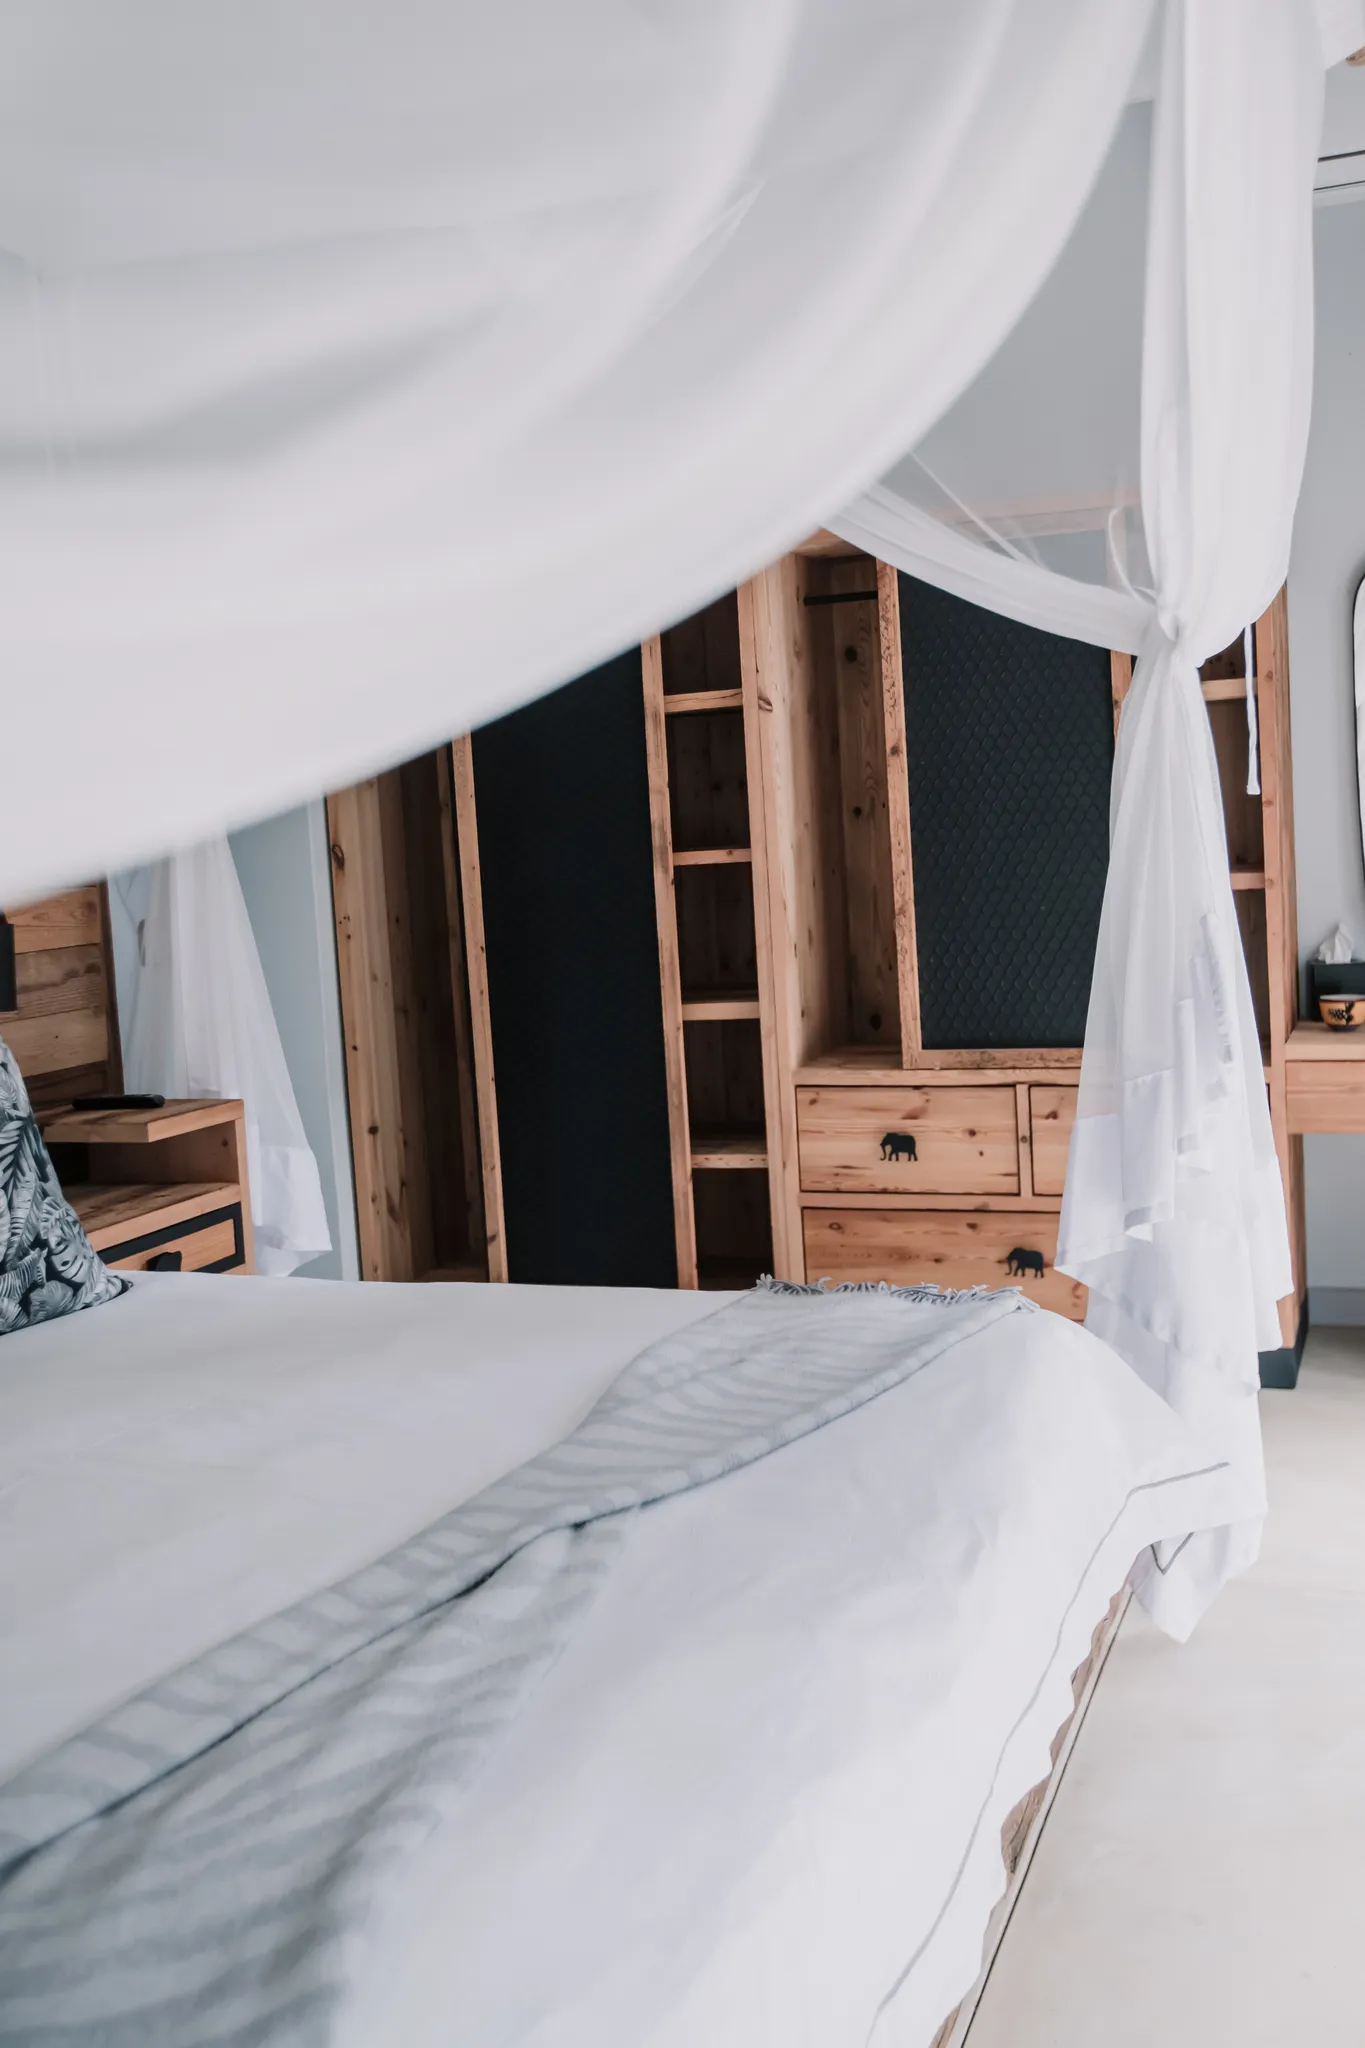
713 857
722 1151
703 700
715 1005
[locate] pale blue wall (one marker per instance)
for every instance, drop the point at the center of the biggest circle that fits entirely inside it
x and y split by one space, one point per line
1328 563
285 876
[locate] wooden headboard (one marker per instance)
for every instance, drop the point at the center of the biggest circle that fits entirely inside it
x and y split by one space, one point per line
64 1033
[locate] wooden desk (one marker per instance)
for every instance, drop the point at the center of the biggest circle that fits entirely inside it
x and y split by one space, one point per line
155 1185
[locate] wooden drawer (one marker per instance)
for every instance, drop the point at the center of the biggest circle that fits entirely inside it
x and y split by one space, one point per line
206 1244
1052 1112
1325 1095
909 1141
962 1248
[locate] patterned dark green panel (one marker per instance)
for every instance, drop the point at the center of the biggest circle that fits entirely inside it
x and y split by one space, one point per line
1011 747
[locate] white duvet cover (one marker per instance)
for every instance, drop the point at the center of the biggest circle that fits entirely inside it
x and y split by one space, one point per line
758 1799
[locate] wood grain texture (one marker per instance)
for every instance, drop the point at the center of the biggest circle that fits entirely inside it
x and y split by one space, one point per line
198 1249
773 947
52 1045
948 1249
873 968
898 814
64 1032
965 1140
112 1211
1052 1112
1323 1095
457 968
703 700
862 1065
670 969
365 978
1281 945
480 1014
174 1119
60 978
70 919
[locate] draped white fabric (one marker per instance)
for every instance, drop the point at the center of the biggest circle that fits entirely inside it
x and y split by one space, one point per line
357 384
1173 1213
202 1024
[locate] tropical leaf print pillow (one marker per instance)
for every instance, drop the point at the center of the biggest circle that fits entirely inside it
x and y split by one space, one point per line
48 1266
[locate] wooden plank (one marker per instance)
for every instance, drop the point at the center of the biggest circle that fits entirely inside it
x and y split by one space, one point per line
197 1248
898 814
480 1014
722 1150
360 910
60 978
1247 878
112 1211
864 1065
775 965
716 1007
1324 1095
174 1119
71 919
872 959
713 856
1025 1123
702 700
401 879
919 1140
670 972
1313 1040
987 1204
1120 681
52 1043
1052 1112
1225 690
950 1249
458 970
1281 927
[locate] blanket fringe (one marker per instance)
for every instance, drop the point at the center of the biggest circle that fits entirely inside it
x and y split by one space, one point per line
924 1291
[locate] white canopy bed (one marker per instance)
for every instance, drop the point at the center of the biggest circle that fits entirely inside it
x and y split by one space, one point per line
320 357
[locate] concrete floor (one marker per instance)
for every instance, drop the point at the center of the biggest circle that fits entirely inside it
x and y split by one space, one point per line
1200 1882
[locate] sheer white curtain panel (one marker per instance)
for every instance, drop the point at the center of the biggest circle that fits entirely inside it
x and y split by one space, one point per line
1174 1213
202 1024
356 386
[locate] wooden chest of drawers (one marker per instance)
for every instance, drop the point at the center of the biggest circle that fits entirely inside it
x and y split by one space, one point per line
935 1180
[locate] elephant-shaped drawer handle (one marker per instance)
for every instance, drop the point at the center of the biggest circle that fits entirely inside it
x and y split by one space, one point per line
899 1145
1021 1261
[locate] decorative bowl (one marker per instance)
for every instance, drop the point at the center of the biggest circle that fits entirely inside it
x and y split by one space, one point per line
1342 1013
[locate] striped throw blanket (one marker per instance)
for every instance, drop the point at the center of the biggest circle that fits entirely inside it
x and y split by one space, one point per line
201 1865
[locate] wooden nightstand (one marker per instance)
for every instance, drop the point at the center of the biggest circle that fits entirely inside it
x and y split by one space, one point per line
158 1189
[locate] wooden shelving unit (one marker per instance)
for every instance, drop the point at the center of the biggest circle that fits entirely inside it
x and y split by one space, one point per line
698 711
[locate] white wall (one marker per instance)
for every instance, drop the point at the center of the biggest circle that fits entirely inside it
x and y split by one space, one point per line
286 880
1328 562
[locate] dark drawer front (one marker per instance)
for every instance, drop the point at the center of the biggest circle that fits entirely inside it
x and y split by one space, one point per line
212 1243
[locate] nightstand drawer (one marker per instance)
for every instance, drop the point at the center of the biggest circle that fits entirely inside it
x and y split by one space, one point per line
958 1248
908 1141
206 1244
1052 1112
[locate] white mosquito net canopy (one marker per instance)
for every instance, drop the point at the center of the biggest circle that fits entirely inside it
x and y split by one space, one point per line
366 370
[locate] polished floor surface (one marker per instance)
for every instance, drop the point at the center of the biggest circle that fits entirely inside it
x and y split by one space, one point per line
1200 1882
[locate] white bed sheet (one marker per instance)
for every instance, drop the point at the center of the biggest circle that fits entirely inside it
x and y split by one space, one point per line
757 1802
181 1463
